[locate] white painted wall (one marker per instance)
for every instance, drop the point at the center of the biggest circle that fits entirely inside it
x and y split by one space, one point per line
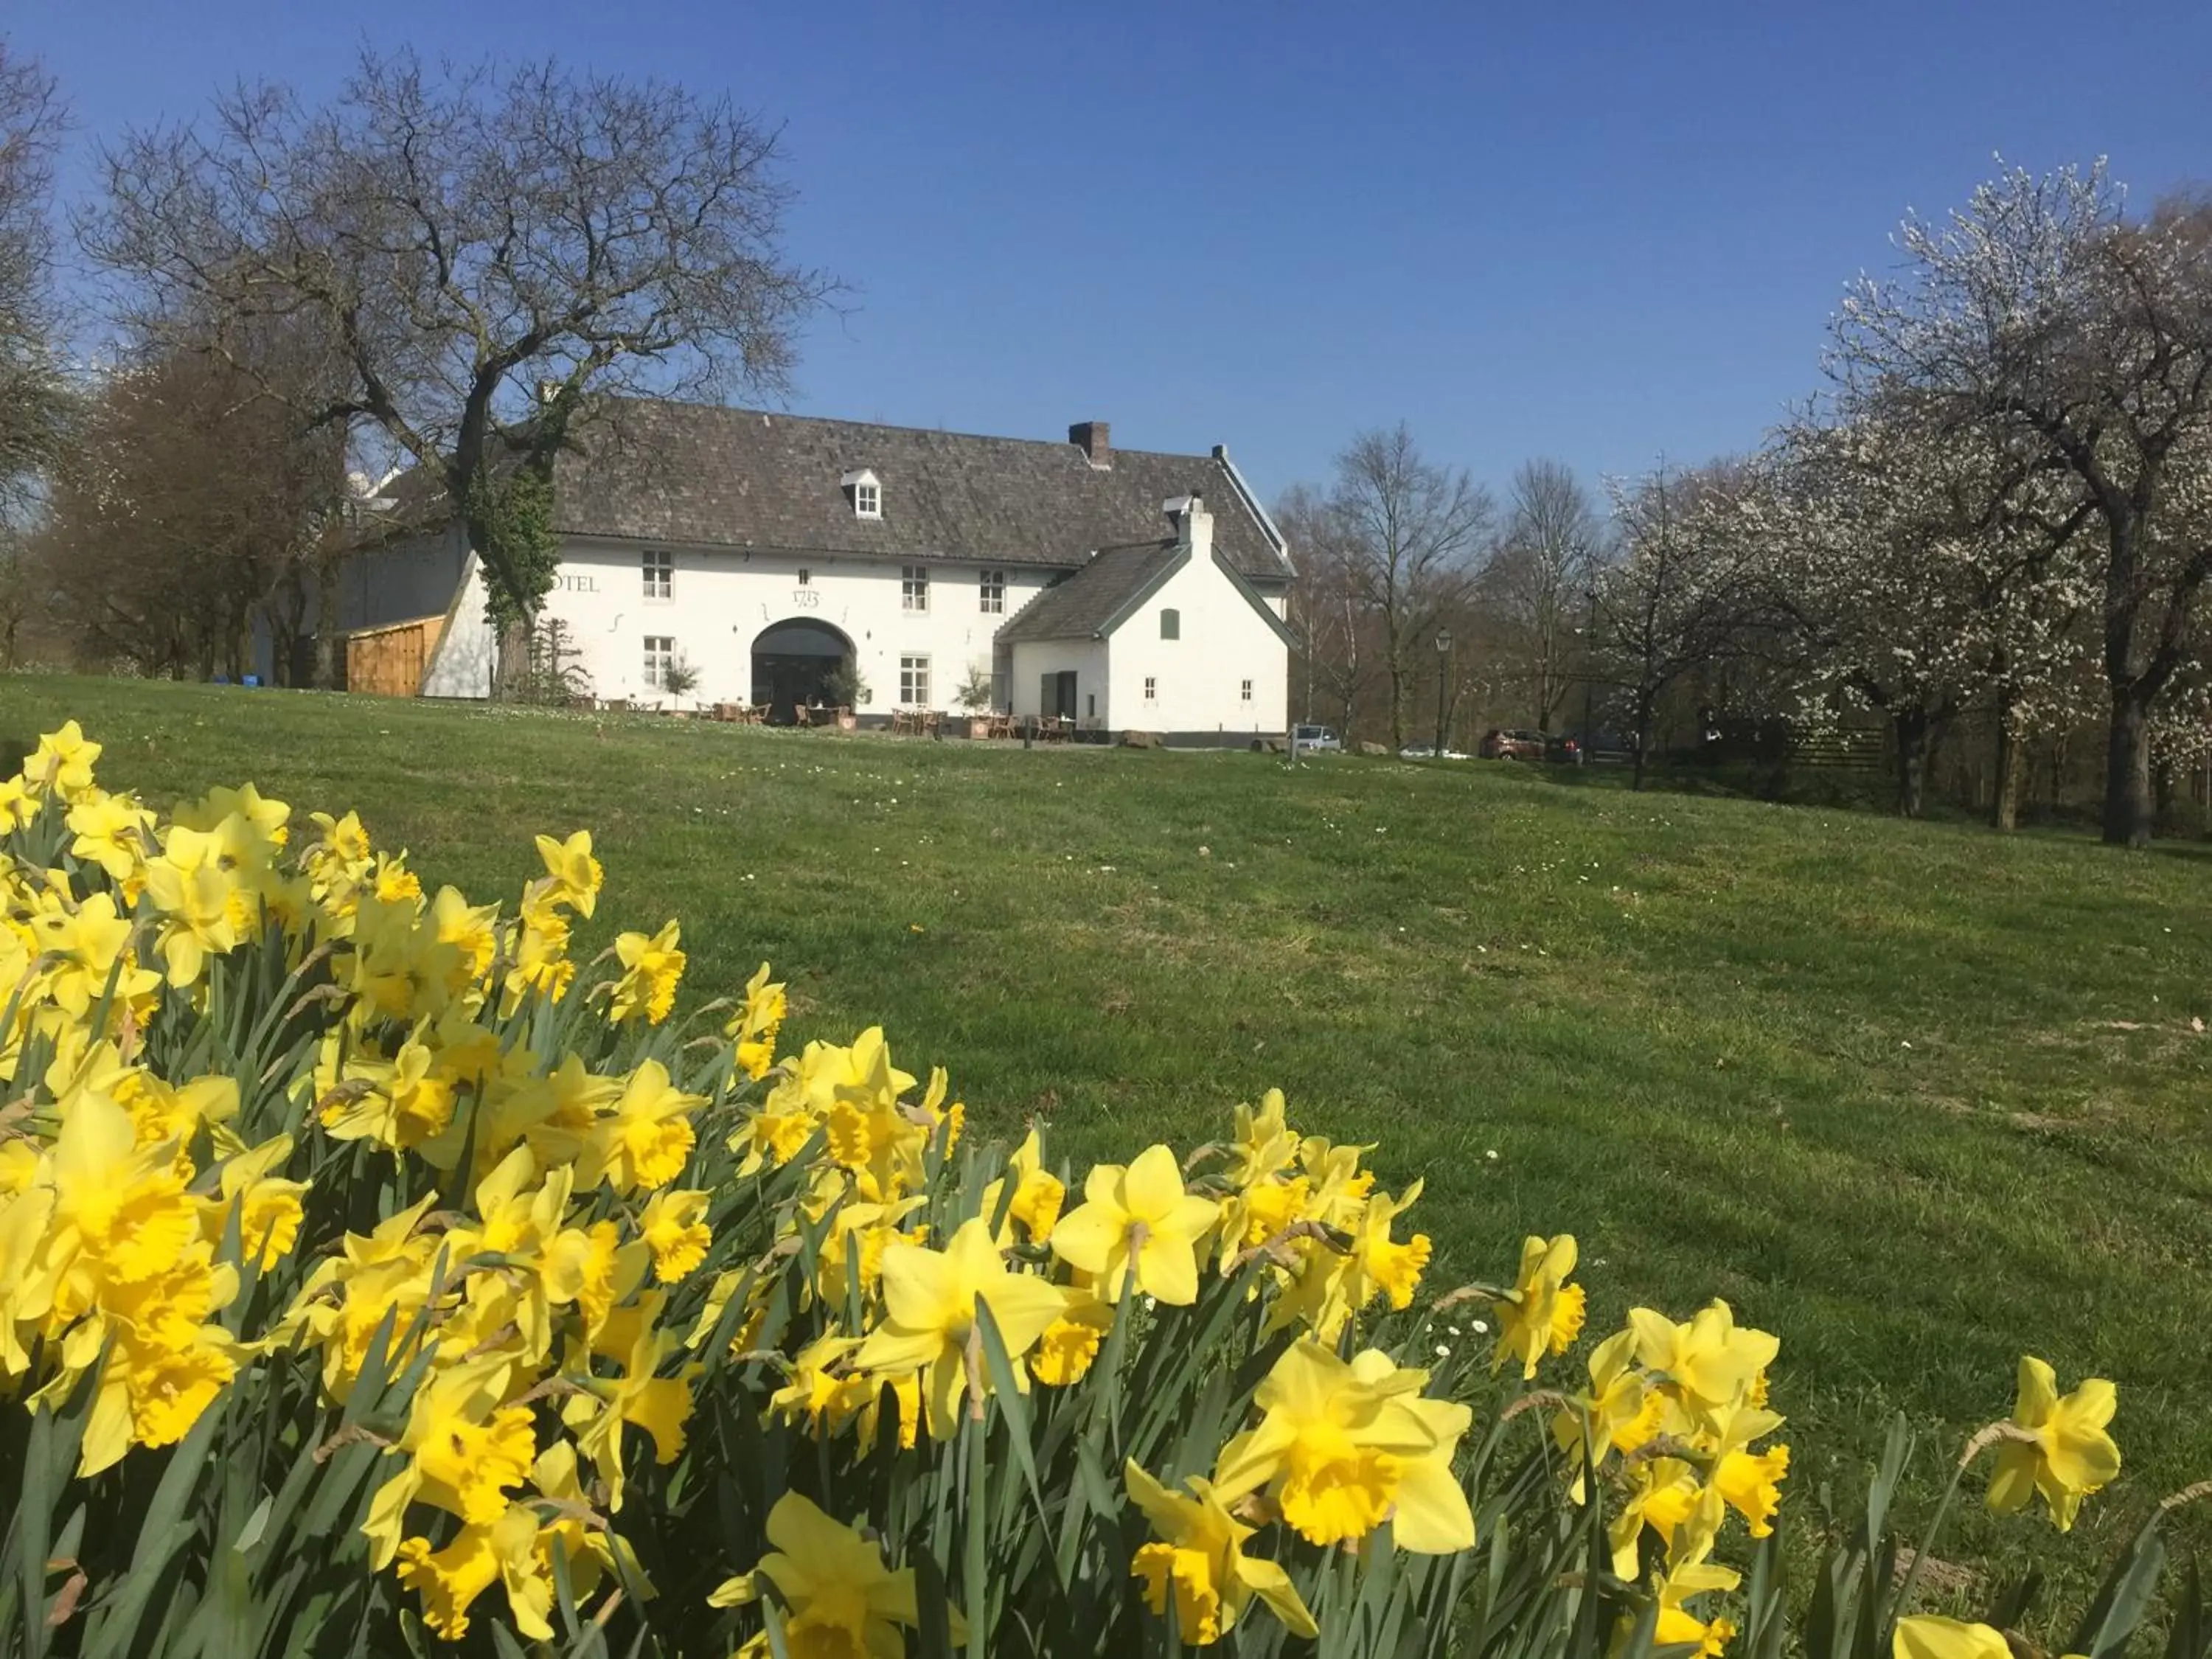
1199 677
462 662
1034 658
721 601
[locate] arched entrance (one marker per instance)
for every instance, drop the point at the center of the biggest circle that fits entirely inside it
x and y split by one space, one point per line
797 662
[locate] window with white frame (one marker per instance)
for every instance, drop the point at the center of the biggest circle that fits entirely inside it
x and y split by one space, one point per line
660 574
804 575
913 587
993 593
1170 624
1151 688
865 491
1248 690
913 681
660 658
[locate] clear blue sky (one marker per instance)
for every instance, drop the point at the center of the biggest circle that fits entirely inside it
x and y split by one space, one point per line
1602 232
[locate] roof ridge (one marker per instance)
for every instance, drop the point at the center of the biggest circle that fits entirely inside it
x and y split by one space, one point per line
894 426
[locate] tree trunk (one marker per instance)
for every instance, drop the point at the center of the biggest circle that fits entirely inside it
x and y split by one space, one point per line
1911 727
1643 702
1397 704
2004 809
328 645
2128 814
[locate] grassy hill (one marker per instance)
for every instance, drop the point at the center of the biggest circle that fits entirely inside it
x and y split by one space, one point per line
1917 1097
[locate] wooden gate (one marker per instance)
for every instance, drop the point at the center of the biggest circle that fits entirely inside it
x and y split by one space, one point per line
390 661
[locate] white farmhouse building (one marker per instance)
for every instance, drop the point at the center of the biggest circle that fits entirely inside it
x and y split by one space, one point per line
779 556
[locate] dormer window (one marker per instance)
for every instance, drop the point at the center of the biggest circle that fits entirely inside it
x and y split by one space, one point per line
866 492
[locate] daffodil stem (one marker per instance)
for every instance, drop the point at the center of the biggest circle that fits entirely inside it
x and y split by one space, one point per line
1975 1447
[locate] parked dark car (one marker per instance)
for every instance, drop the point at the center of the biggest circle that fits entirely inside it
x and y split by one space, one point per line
1563 751
1499 743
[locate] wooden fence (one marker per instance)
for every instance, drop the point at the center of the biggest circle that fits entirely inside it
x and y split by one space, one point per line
1857 749
390 661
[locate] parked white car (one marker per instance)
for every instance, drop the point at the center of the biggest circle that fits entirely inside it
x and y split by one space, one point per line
1316 737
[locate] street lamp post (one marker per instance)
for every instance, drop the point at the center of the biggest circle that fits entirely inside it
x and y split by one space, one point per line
1443 673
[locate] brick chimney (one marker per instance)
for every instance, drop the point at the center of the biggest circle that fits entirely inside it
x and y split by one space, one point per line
1089 437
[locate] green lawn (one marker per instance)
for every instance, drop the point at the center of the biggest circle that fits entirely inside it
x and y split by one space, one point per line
1914 1096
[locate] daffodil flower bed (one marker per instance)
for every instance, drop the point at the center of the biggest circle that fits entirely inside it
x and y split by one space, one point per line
376 1278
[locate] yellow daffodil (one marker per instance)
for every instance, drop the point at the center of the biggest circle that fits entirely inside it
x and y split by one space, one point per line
62 763
574 872
481 1554
120 1210
465 1451
1261 1212
753 1028
1618 1413
1925 1636
652 967
471 931
18 803
1333 1286
674 1227
1690 1572
1336 1186
1343 1446
1201 1556
404 1103
1038 1194
852 1256
1264 1145
1752 1483
639 1398
88 948
591 1552
1138 1223
1069 1343
2066 1455
112 832
541 957
929 1302
193 897
840 1600
1664 1494
163 1112
815 1393
646 1137
1706 1367
1542 1313
267 1206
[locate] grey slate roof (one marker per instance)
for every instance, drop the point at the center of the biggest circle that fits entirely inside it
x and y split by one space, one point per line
702 475
1087 605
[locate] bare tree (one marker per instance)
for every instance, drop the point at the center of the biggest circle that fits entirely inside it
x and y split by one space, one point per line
2042 308
191 507
1688 590
482 250
1538 580
1409 529
33 404
1335 666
